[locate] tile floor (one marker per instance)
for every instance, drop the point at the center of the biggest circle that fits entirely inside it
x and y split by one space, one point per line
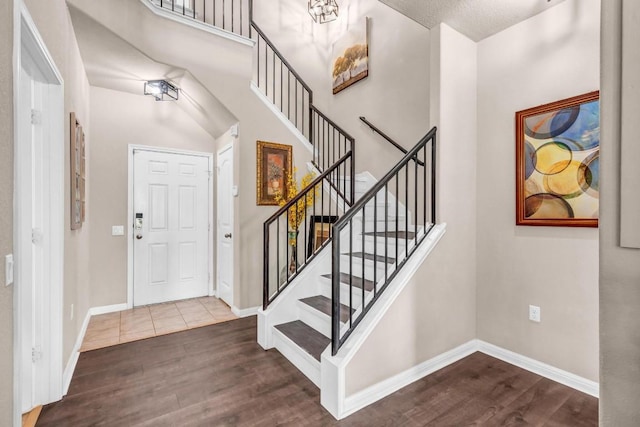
152 320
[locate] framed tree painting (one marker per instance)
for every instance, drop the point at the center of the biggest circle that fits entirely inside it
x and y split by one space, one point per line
78 173
274 164
350 57
558 163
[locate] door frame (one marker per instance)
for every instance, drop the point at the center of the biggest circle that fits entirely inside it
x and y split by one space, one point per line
129 222
49 389
227 147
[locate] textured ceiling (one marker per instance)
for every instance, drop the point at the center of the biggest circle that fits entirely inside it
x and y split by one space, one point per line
477 19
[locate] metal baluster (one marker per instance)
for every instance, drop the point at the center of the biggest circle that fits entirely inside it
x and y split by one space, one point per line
350 272
386 231
433 179
424 184
265 260
278 254
406 211
415 203
258 61
375 242
335 291
224 24
288 93
273 74
232 15
286 260
364 258
397 177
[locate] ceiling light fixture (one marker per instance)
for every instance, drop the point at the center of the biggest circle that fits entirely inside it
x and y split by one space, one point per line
161 90
323 10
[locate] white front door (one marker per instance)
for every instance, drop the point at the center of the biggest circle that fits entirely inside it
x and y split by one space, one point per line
225 225
171 205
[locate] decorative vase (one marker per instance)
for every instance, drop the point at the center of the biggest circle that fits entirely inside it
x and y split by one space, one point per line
293 242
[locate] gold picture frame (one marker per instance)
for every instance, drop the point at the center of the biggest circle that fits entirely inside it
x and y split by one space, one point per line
274 163
77 152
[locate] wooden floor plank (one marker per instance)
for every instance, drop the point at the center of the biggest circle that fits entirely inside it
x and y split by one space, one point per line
219 376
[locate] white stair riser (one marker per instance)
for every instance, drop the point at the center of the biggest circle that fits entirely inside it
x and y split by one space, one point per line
309 366
344 294
314 318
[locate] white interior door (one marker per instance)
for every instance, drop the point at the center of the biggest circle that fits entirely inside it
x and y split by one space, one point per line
225 225
171 206
35 237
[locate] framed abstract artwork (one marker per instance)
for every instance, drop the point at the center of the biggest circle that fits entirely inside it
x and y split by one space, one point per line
274 163
78 173
558 163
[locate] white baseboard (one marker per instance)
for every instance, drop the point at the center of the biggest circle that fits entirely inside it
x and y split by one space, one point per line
75 354
551 372
245 312
107 309
384 388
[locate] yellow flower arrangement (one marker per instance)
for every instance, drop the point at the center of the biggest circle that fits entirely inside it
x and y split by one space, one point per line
298 211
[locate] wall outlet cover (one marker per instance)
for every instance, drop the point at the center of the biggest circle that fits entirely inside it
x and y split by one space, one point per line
8 269
534 313
117 230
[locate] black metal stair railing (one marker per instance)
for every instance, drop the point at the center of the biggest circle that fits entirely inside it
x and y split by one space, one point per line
289 93
230 15
300 229
373 240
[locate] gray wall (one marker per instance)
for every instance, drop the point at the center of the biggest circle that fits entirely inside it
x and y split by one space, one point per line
555 268
6 209
619 268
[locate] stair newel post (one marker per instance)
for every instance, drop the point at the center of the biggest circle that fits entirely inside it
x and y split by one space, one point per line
335 290
265 269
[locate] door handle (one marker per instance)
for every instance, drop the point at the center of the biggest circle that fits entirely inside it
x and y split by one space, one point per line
139 236
228 235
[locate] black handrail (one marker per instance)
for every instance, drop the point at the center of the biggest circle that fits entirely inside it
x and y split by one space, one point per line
385 136
332 211
370 198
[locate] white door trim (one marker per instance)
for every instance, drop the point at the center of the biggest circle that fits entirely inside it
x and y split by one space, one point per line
129 222
26 36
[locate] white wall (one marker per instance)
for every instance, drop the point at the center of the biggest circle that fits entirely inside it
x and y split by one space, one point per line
552 56
119 119
619 267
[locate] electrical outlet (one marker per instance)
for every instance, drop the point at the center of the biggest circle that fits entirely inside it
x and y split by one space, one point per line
71 311
534 313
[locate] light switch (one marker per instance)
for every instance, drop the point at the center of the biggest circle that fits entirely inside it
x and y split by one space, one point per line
234 191
8 269
117 230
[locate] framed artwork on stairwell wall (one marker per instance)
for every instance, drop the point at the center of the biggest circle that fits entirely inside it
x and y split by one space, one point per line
77 151
274 164
558 163
350 57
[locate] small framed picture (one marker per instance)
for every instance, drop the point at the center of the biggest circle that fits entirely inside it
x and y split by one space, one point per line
274 163
319 231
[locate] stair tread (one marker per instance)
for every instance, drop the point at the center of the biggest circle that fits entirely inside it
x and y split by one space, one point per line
323 304
393 234
372 257
356 281
305 337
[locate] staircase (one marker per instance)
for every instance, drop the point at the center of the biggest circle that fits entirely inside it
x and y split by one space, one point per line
328 282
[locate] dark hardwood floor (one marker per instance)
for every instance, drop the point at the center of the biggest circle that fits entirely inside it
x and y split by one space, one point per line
219 376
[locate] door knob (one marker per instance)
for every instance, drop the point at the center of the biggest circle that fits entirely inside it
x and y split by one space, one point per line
139 236
228 235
